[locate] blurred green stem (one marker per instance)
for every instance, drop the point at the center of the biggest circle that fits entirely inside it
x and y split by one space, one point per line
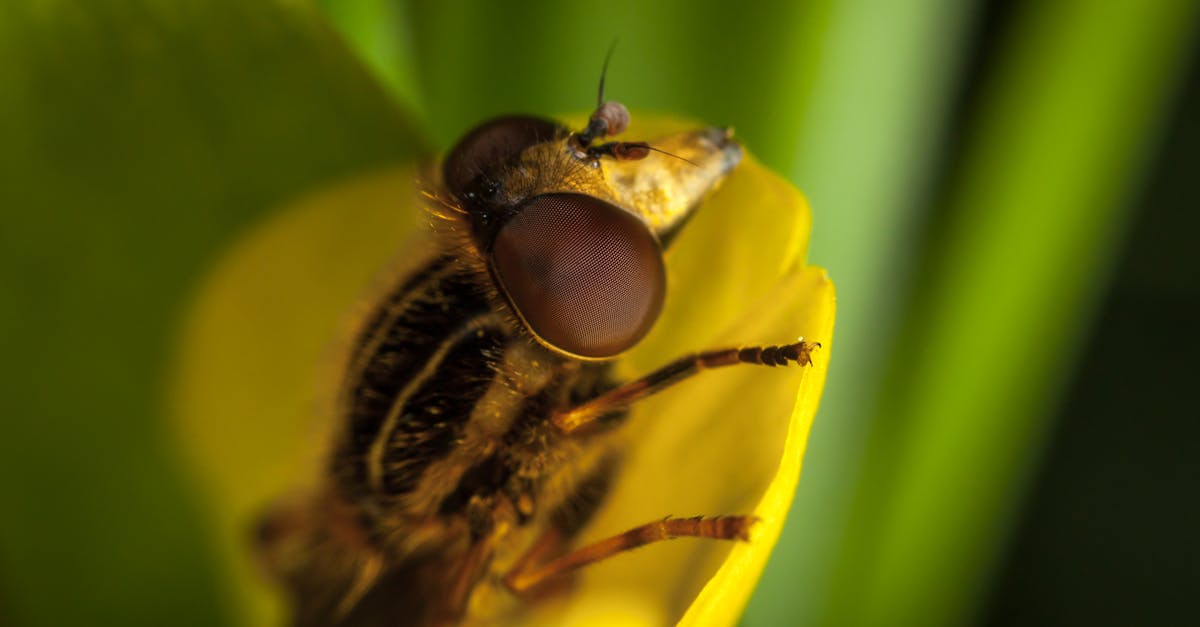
1036 216
870 131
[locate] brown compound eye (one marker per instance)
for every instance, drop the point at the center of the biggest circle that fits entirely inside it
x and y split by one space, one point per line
491 146
585 276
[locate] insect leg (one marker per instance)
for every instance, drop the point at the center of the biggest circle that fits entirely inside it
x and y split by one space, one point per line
472 568
553 543
528 573
579 418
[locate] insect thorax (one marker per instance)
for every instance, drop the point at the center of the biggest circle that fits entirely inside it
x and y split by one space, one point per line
445 415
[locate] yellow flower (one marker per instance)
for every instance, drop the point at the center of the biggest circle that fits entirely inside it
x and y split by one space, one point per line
249 388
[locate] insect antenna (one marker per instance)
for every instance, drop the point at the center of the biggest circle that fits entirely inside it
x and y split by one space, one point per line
671 154
612 118
609 118
631 151
604 73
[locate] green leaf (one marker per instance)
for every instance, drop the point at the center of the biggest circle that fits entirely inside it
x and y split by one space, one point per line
381 33
137 136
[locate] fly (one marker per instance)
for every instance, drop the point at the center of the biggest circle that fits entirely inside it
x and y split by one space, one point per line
479 413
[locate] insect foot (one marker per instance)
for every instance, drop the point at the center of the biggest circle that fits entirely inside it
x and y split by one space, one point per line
800 352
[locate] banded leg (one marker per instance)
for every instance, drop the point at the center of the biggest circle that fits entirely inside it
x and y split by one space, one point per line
529 572
579 418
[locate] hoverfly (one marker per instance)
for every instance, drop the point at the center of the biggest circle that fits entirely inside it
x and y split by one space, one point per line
478 413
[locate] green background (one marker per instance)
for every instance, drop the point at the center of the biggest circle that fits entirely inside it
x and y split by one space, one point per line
974 170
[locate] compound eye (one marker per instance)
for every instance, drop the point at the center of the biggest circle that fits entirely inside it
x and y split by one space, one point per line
489 147
584 275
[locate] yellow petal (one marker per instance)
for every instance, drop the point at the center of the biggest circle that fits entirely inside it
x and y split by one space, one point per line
249 386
